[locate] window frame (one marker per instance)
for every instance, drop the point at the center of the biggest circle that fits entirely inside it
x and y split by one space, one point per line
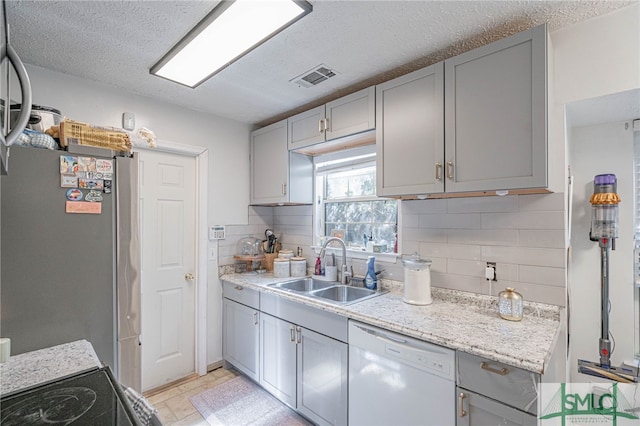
318 213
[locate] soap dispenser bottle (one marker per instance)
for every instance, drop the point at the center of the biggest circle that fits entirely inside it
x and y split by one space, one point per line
370 243
370 279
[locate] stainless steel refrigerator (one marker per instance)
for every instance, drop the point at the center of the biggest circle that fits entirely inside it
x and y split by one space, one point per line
70 258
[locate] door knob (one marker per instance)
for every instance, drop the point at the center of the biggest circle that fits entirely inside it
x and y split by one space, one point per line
189 276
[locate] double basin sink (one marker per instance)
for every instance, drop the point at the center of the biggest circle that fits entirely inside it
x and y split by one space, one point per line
329 291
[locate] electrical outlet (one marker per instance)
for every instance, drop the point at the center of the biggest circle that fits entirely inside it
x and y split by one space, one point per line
490 272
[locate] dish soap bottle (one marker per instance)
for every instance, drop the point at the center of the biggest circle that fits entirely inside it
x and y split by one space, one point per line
370 279
318 267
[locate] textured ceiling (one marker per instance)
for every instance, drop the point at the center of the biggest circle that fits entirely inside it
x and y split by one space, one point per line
366 42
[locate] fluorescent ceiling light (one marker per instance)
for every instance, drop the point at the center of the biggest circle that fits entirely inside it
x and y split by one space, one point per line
232 29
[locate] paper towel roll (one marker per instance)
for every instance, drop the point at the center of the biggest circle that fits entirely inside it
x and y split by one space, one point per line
5 349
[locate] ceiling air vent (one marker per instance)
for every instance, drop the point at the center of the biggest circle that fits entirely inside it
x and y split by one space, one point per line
314 76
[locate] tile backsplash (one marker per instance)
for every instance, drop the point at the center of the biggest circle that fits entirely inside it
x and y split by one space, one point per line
522 234
260 218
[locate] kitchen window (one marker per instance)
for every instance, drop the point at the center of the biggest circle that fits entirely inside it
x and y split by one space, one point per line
347 205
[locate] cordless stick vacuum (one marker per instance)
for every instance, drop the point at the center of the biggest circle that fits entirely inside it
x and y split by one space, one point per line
604 230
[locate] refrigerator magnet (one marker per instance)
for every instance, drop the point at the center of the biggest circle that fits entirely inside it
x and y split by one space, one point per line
68 164
91 183
83 207
108 184
68 181
86 164
93 196
104 166
74 195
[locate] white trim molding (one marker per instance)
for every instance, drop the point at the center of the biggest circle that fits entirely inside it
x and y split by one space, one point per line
201 155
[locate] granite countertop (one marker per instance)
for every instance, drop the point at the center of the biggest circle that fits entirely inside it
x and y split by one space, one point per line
458 320
32 368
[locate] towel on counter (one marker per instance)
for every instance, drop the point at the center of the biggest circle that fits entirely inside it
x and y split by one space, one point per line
145 412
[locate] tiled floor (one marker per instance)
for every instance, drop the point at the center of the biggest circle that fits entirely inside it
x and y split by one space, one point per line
173 404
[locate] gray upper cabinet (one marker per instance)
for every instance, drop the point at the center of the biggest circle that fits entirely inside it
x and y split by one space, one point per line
495 112
477 123
410 133
277 175
306 128
349 115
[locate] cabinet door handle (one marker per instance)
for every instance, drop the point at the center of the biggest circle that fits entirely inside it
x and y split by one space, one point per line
255 318
299 333
326 124
239 288
321 125
450 170
292 335
461 412
438 171
485 366
284 189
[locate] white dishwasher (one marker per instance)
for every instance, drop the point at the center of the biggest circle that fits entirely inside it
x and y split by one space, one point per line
396 380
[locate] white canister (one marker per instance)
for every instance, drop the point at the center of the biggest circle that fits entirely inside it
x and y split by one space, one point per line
417 280
298 266
331 273
285 254
281 268
5 349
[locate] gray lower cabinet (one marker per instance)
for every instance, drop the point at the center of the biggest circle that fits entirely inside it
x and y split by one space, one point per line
278 352
241 337
304 369
477 410
322 378
492 393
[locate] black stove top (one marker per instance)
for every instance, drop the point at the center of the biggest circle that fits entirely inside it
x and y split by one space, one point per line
89 398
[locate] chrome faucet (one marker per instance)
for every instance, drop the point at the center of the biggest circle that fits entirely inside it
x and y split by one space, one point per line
343 269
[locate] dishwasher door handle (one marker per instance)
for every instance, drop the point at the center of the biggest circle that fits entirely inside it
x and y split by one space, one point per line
398 340
383 336
391 338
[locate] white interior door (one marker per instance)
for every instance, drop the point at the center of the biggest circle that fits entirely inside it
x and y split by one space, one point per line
168 231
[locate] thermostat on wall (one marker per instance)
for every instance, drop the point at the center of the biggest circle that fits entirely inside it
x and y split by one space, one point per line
216 232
